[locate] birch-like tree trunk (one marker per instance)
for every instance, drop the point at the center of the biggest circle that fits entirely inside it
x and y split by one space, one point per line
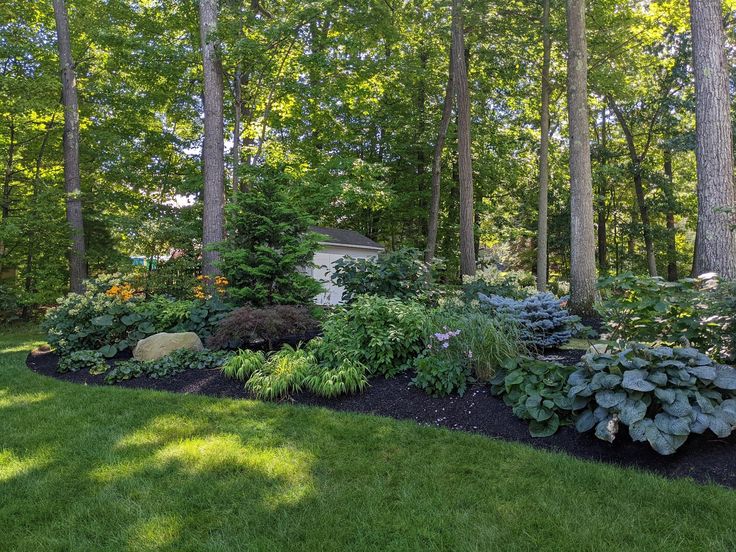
213 148
72 185
715 249
465 166
544 153
582 246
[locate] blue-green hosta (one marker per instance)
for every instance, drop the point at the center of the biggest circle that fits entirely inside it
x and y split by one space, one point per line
662 394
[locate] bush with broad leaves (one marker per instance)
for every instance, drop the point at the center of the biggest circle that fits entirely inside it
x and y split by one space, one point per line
662 394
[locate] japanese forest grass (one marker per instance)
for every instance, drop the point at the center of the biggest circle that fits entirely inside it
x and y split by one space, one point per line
104 468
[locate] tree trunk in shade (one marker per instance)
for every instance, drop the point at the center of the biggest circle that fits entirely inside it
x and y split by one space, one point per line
72 181
434 206
467 242
544 154
213 147
669 194
582 246
715 249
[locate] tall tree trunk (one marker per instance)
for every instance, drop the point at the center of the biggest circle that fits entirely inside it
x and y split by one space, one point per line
716 243
237 115
602 193
213 147
582 246
7 179
641 202
544 153
669 193
434 207
77 253
467 247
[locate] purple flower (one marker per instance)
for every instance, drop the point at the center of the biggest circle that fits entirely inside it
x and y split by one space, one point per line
445 345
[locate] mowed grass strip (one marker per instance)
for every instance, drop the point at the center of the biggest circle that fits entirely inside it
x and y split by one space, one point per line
86 468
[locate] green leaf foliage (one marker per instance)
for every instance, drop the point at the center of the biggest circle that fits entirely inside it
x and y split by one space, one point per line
662 394
267 247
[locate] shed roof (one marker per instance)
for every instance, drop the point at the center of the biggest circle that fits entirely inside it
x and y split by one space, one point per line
340 236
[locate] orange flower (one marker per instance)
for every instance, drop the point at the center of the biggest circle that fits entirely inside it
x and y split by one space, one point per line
124 292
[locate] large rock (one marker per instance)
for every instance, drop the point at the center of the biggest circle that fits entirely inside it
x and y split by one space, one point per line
162 344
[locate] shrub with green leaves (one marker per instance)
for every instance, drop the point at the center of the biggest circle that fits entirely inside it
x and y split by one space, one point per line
384 334
464 344
242 364
697 311
543 320
402 274
537 392
490 280
170 365
661 394
96 320
92 361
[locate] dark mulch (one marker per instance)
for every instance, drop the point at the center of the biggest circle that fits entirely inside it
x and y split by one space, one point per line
704 458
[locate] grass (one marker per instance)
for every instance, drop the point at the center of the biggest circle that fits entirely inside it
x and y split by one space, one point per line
85 468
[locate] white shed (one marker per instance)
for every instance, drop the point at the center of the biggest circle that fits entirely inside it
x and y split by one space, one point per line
337 243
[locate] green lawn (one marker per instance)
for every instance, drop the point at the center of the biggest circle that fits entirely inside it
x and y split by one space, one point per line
119 469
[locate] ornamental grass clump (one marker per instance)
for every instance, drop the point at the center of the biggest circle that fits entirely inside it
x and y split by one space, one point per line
662 394
464 345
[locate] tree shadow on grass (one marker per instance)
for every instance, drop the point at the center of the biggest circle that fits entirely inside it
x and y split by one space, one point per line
119 469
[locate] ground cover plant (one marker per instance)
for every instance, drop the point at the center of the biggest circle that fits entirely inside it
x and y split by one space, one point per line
170 365
661 394
152 466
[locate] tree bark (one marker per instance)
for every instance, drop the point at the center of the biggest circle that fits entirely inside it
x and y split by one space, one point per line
213 148
636 160
602 192
238 113
7 179
434 207
467 247
582 246
544 153
669 194
716 243
72 185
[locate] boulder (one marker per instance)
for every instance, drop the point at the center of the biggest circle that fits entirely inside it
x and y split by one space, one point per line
161 344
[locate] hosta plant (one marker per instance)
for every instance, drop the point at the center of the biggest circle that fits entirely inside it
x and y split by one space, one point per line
536 390
662 394
83 360
543 320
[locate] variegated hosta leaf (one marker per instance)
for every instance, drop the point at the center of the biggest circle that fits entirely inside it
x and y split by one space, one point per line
664 443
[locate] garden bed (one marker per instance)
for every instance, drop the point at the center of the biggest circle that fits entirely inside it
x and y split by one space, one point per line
704 458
